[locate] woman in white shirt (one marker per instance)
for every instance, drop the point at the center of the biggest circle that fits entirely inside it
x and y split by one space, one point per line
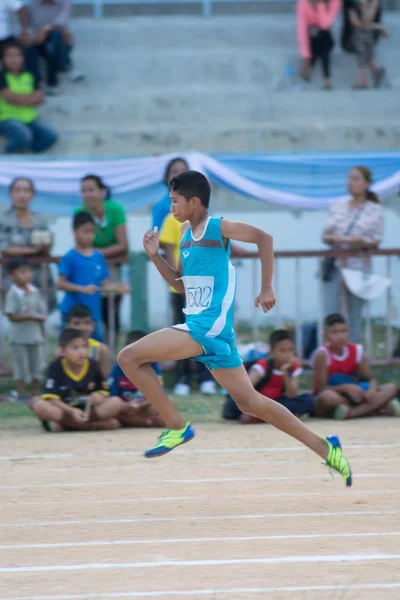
358 224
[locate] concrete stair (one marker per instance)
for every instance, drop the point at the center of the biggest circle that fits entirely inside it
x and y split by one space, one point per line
173 84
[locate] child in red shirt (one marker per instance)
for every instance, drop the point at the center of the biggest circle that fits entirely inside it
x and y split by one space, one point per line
343 381
276 377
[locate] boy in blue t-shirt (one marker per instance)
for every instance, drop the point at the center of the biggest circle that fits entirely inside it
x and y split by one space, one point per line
83 271
142 413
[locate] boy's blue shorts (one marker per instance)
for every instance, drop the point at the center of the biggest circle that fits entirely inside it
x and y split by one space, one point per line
339 379
218 353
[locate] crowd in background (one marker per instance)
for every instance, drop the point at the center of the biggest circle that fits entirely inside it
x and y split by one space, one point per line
88 392
44 35
361 31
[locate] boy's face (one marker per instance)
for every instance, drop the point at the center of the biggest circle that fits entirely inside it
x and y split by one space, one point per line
76 352
13 60
84 324
84 235
180 207
22 276
283 352
337 335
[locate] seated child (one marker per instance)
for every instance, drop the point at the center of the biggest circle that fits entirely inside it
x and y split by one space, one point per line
80 318
26 309
276 377
76 395
142 414
343 381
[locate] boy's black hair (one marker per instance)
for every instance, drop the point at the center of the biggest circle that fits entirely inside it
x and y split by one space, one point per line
69 335
279 335
80 219
79 311
16 263
171 164
134 336
192 184
8 45
334 319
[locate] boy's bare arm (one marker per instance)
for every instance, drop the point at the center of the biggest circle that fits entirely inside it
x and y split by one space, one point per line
242 232
151 244
320 372
365 371
255 375
104 361
291 384
19 318
67 286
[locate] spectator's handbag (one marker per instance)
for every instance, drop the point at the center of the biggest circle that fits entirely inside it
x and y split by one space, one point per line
328 267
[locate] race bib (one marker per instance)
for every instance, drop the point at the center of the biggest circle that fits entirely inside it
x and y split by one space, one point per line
199 291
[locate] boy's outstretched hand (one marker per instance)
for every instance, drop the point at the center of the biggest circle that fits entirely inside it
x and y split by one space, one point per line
151 242
266 299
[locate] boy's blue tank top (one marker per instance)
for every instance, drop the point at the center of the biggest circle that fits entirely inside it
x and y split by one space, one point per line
210 283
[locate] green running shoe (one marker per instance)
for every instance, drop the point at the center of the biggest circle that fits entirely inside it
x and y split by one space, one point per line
170 439
337 461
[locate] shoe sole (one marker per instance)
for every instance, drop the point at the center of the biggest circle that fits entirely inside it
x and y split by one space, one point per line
170 450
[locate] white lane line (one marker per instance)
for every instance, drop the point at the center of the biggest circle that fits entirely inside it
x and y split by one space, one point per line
179 518
249 538
136 500
185 452
182 481
332 558
214 592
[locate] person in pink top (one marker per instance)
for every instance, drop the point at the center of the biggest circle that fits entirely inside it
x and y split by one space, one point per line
314 20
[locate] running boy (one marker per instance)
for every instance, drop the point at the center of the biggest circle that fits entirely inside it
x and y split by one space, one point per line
343 380
76 395
208 280
276 377
80 318
26 309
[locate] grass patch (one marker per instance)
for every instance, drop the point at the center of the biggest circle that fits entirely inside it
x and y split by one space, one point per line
196 408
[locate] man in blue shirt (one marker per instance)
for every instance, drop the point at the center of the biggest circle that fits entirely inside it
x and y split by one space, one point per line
83 271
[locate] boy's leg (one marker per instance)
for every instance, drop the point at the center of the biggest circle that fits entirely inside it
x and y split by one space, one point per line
302 404
46 411
237 383
374 404
105 407
327 401
134 360
35 354
21 371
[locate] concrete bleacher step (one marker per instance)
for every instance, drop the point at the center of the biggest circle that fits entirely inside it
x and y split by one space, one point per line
165 84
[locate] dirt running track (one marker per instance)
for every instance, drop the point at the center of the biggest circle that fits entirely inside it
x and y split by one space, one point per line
240 513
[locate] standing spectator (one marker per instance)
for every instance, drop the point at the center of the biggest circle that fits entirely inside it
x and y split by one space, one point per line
7 8
26 310
24 233
111 236
314 21
160 210
50 22
356 224
82 272
19 98
363 15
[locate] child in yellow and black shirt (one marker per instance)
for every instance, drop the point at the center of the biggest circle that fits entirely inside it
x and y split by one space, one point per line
76 395
80 317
